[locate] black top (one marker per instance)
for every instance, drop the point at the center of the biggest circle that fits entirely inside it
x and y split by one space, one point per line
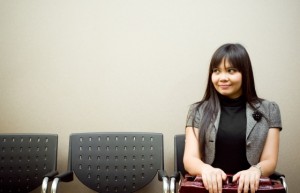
231 136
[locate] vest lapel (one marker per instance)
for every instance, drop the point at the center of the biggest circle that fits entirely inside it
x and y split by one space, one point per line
217 121
250 120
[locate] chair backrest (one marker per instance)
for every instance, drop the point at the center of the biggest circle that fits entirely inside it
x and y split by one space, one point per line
25 160
116 162
179 141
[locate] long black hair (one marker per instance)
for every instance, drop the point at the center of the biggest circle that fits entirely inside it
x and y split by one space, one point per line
239 58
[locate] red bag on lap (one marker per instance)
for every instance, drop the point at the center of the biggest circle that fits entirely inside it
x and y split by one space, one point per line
191 184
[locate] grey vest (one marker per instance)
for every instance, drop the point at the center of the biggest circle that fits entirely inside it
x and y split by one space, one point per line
256 133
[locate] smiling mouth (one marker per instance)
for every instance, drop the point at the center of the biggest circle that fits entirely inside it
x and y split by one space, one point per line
224 86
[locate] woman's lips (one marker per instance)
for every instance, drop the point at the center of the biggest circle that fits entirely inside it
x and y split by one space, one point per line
224 86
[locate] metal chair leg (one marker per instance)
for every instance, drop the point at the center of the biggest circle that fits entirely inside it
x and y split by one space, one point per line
54 185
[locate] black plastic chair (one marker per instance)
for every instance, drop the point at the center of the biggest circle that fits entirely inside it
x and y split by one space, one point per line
115 162
27 161
179 171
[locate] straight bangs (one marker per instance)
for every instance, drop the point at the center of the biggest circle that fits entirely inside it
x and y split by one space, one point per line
229 53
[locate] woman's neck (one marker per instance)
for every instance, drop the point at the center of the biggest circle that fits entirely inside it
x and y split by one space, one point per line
226 101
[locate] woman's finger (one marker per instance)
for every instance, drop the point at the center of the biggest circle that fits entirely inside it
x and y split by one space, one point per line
219 182
246 183
214 184
210 186
204 180
253 183
240 183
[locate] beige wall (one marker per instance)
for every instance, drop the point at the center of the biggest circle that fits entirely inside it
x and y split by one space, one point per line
74 66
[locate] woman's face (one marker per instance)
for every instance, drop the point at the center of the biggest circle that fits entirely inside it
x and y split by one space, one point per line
227 80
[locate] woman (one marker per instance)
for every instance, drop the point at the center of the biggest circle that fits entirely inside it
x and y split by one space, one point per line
231 130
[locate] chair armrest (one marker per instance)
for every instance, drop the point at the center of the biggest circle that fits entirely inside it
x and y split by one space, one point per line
173 179
177 175
276 175
163 176
279 176
51 174
48 177
66 176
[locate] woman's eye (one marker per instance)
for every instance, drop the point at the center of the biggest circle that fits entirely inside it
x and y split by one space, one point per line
232 70
215 70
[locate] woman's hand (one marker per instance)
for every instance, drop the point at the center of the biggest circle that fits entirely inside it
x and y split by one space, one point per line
212 178
247 180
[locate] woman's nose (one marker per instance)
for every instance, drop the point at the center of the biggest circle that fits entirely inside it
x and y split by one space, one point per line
223 77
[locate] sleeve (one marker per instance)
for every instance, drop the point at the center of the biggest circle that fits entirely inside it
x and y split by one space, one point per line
275 117
193 117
